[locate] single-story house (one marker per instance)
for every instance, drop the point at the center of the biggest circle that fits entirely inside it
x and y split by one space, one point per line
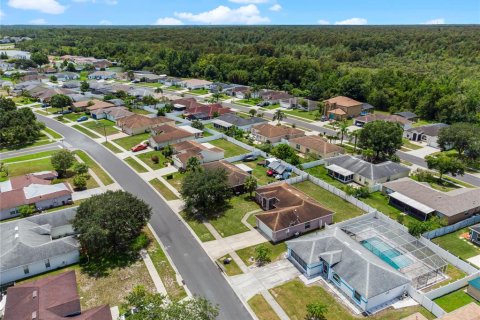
221 87
269 133
54 297
46 94
90 105
37 244
32 189
408 115
475 234
240 92
360 275
340 108
182 151
427 133
288 212
112 113
231 119
171 81
422 201
347 168
168 134
192 84
236 176
204 112
316 145
136 124
362 120
473 289
74 85
140 93
117 102
148 77
102 75
184 103
274 97
299 103
66 76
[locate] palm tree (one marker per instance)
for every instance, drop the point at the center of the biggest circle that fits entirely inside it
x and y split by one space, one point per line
279 116
158 90
355 135
193 164
343 126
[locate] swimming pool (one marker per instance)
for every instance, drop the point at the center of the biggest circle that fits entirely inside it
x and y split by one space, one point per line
385 252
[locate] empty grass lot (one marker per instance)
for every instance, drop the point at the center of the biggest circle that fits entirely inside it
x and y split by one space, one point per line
86 132
112 147
147 159
262 309
294 296
128 142
307 115
199 228
456 245
135 165
230 222
102 127
231 149
102 175
164 269
455 300
232 268
276 252
162 188
344 210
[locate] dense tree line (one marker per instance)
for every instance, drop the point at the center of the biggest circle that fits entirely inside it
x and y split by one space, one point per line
431 70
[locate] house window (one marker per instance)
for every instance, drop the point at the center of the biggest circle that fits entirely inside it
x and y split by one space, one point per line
307 225
357 296
26 270
47 263
336 278
308 150
297 146
13 212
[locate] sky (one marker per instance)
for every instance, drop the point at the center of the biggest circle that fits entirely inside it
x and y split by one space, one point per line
238 12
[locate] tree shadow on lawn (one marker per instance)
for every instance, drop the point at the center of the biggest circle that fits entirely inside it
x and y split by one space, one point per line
102 266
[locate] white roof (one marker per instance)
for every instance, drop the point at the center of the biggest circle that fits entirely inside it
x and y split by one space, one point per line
244 167
412 203
340 170
190 129
38 190
222 123
5 186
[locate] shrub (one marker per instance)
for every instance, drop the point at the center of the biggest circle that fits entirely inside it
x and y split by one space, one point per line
262 255
80 168
79 182
141 242
155 159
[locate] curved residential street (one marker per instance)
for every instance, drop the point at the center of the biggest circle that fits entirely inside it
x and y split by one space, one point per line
200 274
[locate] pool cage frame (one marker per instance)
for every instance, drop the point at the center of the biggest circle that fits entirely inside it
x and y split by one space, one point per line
426 269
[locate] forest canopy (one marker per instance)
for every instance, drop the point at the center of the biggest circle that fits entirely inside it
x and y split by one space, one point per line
431 70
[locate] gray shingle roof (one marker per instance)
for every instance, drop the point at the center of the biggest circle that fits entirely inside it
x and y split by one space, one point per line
431 130
28 240
407 115
239 121
360 268
367 169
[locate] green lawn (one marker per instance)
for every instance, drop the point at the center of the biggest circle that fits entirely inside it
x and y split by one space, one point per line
128 142
164 269
455 300
262 309
83 75
344 210
102 127
37 165
199 228
30 156
111 147
199 91
140 111
86 132
251 102
294 296
322 173
147 159
408 144
436 184
43 113
272 106
230 222
43 140
251 220
102 175
457 245
135 165
276 252
230 149
232 268
162 188
21 100
176 180
307 115
74 116
259 172
53 133
453 274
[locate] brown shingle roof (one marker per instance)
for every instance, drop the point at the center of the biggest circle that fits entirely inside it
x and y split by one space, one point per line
97 104
207 109
318 144
293 207
166 133
236 176
50 298
138 121
271 131
343 101
188 149
383 117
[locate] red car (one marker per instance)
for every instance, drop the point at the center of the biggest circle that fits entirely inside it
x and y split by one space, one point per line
139 147
270 172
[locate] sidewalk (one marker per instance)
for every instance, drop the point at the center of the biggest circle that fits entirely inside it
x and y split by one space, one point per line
153 273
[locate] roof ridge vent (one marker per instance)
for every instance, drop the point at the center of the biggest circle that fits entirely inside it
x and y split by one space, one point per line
16 235
34 294
34 315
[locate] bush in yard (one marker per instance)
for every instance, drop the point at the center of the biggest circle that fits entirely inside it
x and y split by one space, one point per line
262 255
61 161
155 159
141 242
80 182
26 210
316 311
361 192
80 168
417 228
110 222
167 151
285 152
197 124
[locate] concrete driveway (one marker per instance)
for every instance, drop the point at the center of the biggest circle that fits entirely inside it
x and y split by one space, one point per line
423 152
218 248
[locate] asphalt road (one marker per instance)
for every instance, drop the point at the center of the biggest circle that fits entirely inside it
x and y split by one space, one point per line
22 152
200 274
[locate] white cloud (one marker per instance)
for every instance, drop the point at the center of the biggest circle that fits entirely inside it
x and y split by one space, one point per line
352 21
249 1
2 14
435 21
45 6
323 22
248 14
37 21
168 21
111 2
275 7
105 22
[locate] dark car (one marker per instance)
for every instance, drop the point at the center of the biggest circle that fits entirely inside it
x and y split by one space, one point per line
83 118
249 158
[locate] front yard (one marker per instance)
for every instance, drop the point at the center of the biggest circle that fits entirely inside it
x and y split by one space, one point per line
458 245
102 175
250 102
199 228
147 159
455 300
198 91
230 149
128 142
261 308
231 268
162 188
277 250
103 127
307 115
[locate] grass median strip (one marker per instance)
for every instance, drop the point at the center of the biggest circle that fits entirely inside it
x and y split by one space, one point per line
102 175
42 154
261 308
135 165
112 147
163 189
53 133
231 268
86 131
199 228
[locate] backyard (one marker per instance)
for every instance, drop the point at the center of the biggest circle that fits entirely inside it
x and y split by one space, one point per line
230 148
277 250
259 171
198 91
457 245
128 142
250 102
322 173
455 300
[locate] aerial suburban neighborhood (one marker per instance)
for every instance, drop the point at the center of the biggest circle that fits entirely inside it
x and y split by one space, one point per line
238 172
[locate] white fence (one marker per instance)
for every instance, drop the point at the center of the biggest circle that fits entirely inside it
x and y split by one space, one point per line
454 227
426 302
312 164
454 286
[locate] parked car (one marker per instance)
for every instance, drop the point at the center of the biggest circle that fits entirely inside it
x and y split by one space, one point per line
139 147
270 172
66 112
82 118
249 158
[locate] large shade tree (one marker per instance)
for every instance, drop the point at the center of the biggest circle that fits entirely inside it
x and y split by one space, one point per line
382 137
